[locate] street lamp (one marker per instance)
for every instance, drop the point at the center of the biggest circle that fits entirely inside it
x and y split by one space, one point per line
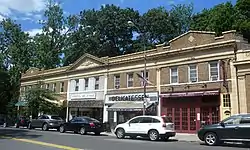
130 23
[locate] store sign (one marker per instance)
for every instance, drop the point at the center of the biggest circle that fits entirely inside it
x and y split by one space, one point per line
83 96
132 97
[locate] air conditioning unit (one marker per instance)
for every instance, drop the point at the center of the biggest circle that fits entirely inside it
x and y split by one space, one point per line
193 79
214 78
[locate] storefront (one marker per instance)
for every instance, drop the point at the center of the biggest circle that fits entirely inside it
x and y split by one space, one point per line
86 104
119 108
189 110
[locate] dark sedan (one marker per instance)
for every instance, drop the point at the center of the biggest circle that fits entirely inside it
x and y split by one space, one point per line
234 129
83 125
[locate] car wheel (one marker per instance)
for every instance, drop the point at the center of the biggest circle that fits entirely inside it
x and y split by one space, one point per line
120 133
82 131
153 135
211 139
62 129
45 127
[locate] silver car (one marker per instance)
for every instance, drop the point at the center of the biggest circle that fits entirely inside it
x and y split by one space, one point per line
46 122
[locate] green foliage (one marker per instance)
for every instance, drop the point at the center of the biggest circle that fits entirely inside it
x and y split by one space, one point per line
37 99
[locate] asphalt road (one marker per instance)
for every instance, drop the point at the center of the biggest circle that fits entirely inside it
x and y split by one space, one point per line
23 139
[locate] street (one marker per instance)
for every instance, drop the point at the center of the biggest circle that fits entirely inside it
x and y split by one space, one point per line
23 139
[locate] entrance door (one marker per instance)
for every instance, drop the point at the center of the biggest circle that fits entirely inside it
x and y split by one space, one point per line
184 119
209 115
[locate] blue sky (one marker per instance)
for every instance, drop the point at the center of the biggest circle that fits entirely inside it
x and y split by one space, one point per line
28 12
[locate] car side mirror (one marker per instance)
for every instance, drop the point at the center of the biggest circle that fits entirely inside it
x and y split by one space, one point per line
128 123
222 124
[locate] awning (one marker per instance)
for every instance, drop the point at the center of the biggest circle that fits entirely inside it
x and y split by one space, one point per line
190 94
126 106
21 103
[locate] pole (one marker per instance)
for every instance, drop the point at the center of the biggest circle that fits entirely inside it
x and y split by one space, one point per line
144 76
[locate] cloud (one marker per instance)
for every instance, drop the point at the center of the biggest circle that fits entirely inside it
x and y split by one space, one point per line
33 32
1 17
22 8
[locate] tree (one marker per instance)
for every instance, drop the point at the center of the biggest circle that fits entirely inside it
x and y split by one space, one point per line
41 101
51 43
218 19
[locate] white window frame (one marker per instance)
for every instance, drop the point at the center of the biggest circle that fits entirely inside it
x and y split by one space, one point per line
218 69
77 84
97 84
86 84
128 80
189 69
117 86
171 75
147 77
54 87
61 87
47 86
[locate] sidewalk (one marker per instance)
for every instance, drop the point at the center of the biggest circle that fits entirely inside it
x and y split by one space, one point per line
182 137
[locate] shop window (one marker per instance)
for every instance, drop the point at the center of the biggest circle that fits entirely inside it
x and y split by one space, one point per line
76 84
61 86
96 83
130 80
86 83
146 77
214 71
174 75
226 100
117 81
192 73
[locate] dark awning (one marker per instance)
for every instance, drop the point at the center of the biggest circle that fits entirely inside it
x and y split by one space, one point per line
126 106
86 104
190 94
21 103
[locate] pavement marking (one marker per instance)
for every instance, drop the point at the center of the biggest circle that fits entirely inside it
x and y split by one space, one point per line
43 143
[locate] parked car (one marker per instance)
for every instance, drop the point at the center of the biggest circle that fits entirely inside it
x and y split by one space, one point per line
234 128
22 121
154 127
83 125
46 122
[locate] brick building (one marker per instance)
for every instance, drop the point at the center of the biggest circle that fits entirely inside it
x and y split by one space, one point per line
198 78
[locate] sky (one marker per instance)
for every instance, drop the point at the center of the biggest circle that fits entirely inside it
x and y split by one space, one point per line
28 13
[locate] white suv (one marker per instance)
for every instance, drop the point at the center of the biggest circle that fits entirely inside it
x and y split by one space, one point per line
154 127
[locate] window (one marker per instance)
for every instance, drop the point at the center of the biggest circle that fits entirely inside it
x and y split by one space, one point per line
47 86
192 73
86 83
61 86
54 87
226 100
77 85
96 83
136 120
142 74
117 81
214 71
245 120
174 75
232 120
146 120
130 80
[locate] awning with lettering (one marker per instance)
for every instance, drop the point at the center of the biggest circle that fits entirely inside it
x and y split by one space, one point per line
126 106
190 94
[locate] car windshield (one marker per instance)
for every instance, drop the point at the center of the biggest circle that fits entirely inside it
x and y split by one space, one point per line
56 118
167 119
91 119
232 120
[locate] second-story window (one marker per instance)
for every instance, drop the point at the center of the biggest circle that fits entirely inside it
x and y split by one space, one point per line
117 81
96 83
192 73
77 85
146 77
86 85
174 75
214 71
61 86
130 80
54 87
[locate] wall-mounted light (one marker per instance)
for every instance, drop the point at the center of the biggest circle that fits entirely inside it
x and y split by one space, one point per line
204 85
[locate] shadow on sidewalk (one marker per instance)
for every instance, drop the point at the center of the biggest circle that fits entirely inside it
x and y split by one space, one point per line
147 139
6 133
